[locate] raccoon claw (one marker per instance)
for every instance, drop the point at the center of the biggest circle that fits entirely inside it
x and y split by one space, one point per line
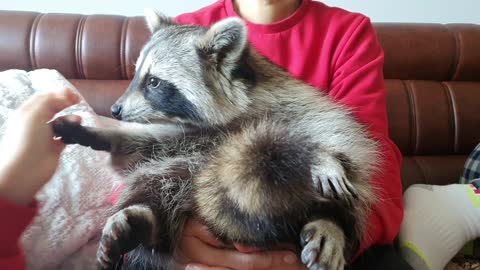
109 251
66 130
123 232
337 187
330 180
323 245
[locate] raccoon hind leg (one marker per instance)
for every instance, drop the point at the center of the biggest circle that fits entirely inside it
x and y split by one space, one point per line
124 231
323 244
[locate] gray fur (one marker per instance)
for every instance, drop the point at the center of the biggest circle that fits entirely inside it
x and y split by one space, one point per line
264 156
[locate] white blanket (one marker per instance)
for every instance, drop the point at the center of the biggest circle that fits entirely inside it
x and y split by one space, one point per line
74 205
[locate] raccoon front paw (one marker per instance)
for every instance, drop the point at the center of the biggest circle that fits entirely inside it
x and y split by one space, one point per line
74 133
66 130
123 232
330 180
323 245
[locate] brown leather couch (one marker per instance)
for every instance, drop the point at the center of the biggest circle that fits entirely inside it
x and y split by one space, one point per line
432 74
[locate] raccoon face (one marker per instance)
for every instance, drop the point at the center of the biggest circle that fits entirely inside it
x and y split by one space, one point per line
190 74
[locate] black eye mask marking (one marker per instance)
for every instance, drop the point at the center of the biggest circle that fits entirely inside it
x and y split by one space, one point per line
165 97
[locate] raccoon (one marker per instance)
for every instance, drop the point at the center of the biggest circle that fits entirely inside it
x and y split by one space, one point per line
259 157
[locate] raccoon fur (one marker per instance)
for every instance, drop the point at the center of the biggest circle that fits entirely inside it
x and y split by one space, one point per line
261 158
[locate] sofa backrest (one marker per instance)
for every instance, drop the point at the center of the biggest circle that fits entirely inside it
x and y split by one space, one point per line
432 74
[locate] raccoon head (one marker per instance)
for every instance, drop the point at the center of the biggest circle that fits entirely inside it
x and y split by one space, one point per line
190 74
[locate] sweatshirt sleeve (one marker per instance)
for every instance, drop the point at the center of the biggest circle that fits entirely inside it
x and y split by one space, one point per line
15 220
357 81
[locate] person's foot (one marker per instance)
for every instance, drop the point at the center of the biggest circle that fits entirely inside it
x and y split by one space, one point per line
438 221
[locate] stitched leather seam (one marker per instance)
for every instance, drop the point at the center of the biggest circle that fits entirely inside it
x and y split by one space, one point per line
78 47
412 117
123 45
33 35
455 69
420 168
453 112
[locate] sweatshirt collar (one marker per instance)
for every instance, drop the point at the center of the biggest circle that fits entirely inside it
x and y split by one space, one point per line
273 27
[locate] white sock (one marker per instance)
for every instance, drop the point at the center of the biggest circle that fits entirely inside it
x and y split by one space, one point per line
438 222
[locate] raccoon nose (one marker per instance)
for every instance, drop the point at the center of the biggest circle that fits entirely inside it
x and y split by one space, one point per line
117 111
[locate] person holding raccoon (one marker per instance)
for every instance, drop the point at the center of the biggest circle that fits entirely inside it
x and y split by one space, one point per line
328 48
28 140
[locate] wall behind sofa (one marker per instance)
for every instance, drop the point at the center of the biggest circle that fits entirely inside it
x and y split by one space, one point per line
430 11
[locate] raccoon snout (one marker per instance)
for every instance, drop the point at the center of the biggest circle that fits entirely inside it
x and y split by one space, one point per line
117 111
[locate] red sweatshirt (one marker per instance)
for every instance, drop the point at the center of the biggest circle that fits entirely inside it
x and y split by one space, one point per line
14 220
329 48
336 51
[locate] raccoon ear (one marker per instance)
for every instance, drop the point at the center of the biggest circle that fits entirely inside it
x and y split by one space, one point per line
226 39
156 20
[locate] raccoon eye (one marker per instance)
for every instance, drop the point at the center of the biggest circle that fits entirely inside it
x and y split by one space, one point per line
153 82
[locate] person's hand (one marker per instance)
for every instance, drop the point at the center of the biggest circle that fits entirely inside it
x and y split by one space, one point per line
28 154
200 250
